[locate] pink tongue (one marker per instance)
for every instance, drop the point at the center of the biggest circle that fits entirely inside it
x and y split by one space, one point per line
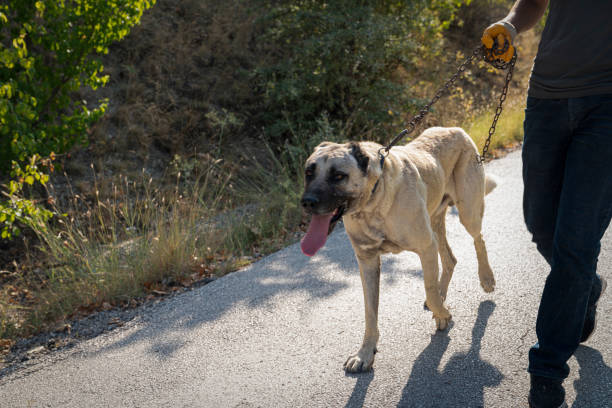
317 234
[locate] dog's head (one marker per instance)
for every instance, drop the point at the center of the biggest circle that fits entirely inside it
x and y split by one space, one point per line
337 176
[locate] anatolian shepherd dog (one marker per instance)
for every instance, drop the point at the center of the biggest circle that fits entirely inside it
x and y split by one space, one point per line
399 207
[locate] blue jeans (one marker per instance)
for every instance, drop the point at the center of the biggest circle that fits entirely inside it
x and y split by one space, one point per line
567 204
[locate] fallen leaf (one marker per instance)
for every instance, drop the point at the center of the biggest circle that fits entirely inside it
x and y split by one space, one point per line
6 344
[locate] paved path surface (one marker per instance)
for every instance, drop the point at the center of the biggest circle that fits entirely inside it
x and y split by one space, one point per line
277 333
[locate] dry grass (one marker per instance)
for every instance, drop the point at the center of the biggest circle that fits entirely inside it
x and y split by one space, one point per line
509 129
142 241
107 252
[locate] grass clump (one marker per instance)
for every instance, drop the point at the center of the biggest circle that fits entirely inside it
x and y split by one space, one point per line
104 252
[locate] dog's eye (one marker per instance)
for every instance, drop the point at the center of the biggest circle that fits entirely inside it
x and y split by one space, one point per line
308 173
339 177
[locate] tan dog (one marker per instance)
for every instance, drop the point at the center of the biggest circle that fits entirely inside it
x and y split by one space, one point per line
399 207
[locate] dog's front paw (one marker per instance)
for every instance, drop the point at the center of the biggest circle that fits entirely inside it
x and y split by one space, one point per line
360 362
487 281
442 320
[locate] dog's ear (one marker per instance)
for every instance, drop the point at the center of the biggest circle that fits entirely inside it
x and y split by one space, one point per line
360 156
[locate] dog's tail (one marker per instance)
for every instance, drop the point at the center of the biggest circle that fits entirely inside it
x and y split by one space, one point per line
490 183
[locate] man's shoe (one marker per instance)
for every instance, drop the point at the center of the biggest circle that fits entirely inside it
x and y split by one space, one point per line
546 393
590 321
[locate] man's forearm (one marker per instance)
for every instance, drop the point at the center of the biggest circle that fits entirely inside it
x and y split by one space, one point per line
526 13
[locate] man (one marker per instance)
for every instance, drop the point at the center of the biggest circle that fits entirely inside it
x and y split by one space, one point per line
567 172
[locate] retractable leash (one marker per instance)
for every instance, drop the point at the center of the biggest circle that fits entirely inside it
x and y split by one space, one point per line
490 56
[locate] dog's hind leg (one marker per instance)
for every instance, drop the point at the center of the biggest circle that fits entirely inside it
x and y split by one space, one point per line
485 274
433 300
438 224
369 269
470 189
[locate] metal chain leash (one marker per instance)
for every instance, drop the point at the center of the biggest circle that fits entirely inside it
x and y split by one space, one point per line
488 55
499 109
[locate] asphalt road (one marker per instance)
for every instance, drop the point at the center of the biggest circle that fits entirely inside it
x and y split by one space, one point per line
277 333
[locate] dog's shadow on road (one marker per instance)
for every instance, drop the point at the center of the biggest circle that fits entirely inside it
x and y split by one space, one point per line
460 384
462 381
594 386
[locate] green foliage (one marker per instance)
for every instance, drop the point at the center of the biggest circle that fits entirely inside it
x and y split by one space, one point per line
345 58
48 52
18 209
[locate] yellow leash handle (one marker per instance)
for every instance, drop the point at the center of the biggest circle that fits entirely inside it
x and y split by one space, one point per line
498 39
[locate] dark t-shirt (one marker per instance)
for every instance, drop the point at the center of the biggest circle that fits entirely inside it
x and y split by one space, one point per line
575 54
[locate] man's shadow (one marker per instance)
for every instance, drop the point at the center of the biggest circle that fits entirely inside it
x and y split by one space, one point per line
594 384
462 382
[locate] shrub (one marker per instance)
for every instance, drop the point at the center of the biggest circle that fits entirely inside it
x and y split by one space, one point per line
343 57
15 207
48 51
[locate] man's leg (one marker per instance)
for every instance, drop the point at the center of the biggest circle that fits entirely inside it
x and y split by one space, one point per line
547 138
583 214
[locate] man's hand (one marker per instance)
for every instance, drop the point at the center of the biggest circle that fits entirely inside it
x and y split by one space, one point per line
501 31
